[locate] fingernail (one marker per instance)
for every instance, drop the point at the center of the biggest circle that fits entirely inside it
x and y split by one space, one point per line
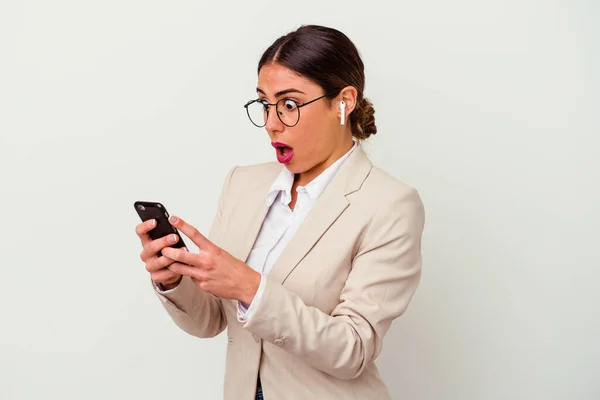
152 222
173 219
173 238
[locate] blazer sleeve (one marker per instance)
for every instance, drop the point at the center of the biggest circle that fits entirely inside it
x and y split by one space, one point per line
385 274
195 311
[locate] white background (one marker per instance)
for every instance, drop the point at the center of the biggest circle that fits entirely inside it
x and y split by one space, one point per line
489 109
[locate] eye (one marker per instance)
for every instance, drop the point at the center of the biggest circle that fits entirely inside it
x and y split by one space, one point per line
290 105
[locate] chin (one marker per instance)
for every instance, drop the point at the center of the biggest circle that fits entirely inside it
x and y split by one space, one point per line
295 168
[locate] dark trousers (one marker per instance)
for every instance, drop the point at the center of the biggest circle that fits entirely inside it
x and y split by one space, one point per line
259 394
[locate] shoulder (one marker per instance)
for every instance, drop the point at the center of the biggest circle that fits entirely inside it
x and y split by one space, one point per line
242 178
383 191
391 210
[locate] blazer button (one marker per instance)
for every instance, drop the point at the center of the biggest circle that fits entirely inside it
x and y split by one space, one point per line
278 342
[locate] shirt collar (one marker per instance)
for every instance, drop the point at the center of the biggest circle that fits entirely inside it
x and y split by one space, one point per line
284 181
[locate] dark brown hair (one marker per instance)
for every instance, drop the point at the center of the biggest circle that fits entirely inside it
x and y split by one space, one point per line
329 58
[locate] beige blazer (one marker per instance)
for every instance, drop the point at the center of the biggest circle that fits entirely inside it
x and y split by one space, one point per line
350 270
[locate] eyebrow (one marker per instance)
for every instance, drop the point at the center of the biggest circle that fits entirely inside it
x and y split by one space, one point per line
281 92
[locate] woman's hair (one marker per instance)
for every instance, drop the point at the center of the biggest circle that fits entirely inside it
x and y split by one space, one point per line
329 58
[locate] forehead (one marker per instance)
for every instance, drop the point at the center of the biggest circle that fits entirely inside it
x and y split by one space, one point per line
274 77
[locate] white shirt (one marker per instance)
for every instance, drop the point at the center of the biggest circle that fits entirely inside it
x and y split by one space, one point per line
281 222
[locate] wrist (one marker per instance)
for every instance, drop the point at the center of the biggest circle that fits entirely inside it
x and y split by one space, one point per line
250 287
169 285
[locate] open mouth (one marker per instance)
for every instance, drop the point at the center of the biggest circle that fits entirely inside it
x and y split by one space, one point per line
284 150
285 153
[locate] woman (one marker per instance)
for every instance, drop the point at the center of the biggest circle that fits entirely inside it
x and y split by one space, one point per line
311 258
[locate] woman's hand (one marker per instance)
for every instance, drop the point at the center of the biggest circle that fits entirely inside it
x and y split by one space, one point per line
213 270
157 266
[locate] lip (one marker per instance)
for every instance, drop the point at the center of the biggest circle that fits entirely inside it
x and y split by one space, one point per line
280 144
283 159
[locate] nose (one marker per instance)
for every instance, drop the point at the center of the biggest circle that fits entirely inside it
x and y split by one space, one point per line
274 124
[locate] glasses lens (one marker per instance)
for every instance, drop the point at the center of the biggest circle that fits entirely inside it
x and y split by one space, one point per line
257 113
288 111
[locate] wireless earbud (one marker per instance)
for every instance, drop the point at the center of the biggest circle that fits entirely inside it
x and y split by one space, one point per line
342 111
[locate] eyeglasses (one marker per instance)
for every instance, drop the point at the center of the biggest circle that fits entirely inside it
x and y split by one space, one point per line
288 110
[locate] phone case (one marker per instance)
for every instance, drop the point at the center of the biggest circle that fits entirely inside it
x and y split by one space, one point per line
149 210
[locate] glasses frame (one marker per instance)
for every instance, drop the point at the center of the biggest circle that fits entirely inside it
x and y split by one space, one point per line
298 107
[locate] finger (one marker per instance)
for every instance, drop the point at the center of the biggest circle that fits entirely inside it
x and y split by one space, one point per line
181 255
143 229
164 276
152 248
202 242
205 260
187 270
158 263
202 284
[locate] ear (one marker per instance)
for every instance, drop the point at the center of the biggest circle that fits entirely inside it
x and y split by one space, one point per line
349 95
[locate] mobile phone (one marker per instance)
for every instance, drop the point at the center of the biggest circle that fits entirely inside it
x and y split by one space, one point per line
153 210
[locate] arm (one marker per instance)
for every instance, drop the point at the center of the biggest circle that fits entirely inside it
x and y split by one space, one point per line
192 309
385 274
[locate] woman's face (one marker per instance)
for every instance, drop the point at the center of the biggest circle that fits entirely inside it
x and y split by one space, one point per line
318 139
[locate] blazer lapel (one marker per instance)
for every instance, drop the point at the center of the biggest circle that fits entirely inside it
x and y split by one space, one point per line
249 213
330 205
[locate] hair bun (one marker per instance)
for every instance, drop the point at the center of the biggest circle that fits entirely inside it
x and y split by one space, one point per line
363 124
